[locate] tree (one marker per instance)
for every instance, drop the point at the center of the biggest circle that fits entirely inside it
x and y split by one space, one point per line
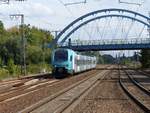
108 59
36 51
145 58
1 62
1 28
34 55
11 66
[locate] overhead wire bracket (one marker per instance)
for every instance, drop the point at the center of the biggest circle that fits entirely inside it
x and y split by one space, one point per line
132 3
73 3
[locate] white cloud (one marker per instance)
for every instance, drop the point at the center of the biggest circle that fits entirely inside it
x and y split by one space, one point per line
37 9
31 10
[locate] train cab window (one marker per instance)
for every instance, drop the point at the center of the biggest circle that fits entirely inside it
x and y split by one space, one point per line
70 58
61 55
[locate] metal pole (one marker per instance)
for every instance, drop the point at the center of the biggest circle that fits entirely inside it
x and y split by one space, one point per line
23 52
23 45
56 32
149 24
43 48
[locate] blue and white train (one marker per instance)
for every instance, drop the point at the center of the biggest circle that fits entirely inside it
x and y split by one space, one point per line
68 61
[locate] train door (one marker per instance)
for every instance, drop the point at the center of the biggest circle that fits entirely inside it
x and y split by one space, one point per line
75 63
71 63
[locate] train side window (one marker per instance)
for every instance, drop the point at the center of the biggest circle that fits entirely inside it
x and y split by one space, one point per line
70 58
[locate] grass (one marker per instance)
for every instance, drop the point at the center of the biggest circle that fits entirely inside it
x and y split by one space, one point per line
5 73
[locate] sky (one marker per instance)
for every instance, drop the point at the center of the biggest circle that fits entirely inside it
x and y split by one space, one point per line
54 15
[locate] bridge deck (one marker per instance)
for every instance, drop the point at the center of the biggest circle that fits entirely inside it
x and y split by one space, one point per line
115 44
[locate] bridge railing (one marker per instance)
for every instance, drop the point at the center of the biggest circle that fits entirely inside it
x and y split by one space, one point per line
108 42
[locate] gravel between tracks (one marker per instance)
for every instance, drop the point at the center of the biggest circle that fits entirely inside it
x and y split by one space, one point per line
107 97
57 104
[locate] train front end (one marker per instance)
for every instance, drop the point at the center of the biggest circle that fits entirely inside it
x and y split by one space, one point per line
61 62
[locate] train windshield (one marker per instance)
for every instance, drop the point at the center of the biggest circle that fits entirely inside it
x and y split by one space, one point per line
61 55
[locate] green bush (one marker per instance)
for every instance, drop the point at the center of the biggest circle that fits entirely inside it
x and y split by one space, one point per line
38 68
11 66
4 73
1 62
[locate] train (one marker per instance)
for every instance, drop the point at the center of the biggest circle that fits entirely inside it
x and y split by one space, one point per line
67 61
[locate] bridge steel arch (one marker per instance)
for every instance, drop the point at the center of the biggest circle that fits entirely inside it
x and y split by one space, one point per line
85 19
104 16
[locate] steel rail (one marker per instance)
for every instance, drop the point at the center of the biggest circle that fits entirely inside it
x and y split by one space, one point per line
145 90
144 73
25 90
138 102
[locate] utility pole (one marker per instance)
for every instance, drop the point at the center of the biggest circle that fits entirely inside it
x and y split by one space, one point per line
149 24
23 44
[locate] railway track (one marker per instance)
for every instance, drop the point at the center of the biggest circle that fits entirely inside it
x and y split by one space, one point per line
23 100
9 85
62 100
23 86
25 89
144 73
141 81
46 75
139 94
107 97
69 94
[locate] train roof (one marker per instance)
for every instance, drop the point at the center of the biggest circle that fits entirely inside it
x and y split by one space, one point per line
77 53
63 49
